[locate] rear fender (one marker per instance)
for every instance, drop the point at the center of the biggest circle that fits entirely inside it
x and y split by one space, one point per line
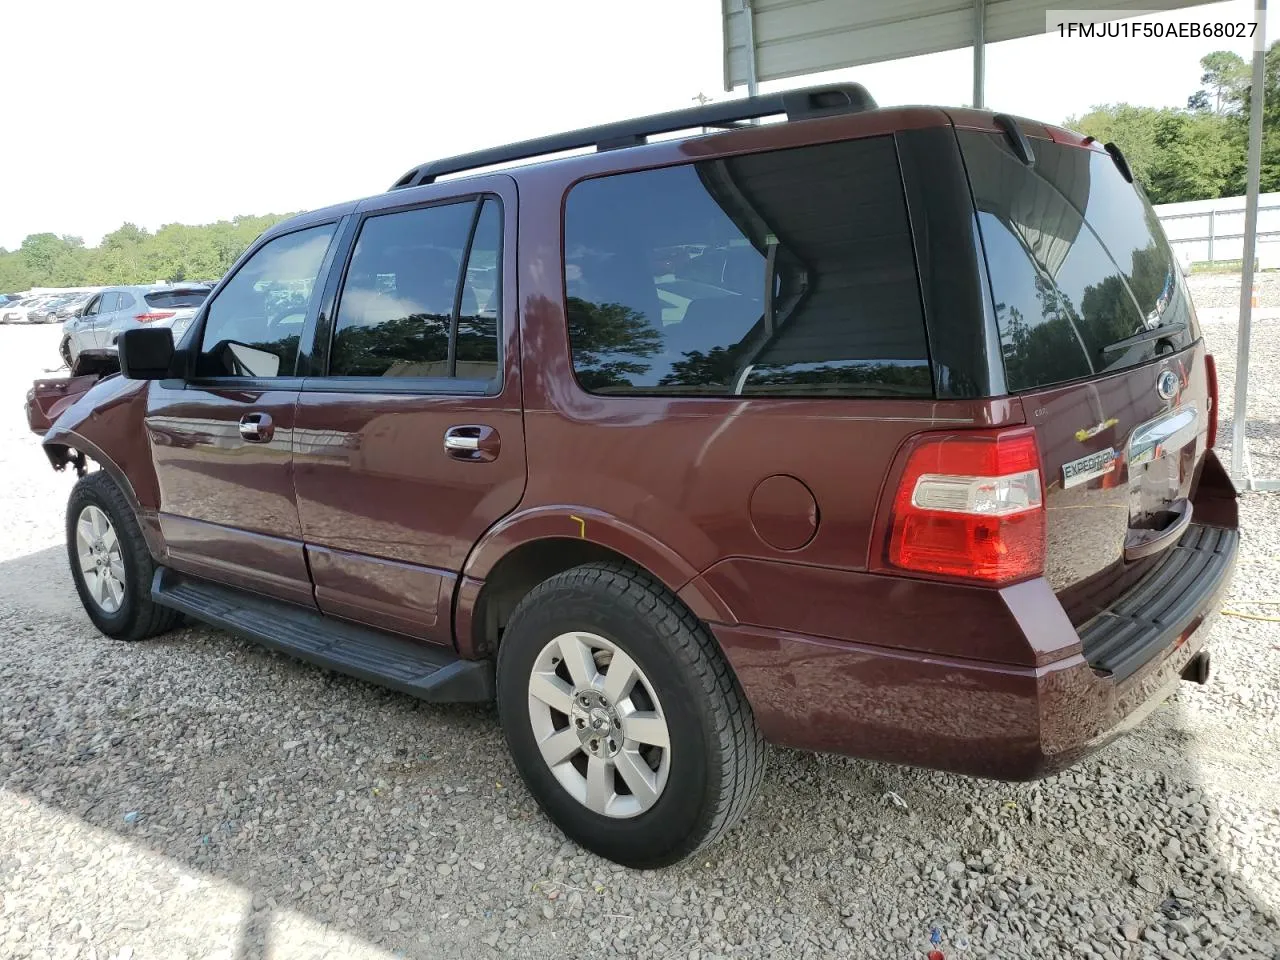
605 530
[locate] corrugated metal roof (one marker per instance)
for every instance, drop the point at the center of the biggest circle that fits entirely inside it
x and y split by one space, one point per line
796 37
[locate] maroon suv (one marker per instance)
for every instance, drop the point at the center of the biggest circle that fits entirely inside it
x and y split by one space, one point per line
880 431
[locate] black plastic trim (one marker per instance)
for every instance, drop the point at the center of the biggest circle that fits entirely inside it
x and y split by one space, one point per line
1017 139
1118 158
413 667
1160 607
802 104
965 360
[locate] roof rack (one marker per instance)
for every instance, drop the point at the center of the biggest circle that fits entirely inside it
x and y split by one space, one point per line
803 104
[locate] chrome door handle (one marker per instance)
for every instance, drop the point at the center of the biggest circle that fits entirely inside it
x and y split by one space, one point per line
257 427
471 443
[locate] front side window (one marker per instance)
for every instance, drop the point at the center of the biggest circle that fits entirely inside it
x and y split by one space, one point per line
415 302
788 273
254 324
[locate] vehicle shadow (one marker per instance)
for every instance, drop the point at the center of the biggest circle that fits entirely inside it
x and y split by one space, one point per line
266 808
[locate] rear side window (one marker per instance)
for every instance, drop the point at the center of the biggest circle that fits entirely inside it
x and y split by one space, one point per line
415 303
1083 279
788 273
176 299
124 301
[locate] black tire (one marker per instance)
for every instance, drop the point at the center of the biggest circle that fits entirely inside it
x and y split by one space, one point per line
718 757
64 351
137 618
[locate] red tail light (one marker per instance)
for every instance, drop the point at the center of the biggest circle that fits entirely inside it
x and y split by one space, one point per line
970 505
1211 378
153 317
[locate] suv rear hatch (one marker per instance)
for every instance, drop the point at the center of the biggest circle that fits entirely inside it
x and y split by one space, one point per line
1100 340
175 308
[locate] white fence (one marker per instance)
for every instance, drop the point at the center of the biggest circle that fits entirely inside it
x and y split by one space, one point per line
1207 230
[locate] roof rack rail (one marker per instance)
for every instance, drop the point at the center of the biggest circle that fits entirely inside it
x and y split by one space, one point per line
802 104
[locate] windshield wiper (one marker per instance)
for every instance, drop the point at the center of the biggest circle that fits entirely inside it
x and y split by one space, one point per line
1155 333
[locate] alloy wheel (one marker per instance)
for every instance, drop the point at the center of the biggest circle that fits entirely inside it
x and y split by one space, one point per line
98 551
599 725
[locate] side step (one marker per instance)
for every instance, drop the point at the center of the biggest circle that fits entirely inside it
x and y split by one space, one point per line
422 671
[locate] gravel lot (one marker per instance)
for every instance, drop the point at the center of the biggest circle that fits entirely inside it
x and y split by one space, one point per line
196 796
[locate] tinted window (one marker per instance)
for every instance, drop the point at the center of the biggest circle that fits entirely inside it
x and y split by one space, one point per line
1083 279
402 294
253 325
480 307
176 299
782 273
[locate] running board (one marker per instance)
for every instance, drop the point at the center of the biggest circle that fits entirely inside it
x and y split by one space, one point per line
422 671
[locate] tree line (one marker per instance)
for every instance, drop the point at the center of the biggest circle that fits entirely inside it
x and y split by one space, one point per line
131 254
1191 153
1196 152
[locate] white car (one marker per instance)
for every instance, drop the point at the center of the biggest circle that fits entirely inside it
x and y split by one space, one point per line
116 309
20 312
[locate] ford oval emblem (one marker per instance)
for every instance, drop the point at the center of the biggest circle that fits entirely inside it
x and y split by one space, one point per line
1167 384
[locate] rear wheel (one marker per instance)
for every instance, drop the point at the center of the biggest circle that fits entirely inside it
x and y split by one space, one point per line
623 717
110 563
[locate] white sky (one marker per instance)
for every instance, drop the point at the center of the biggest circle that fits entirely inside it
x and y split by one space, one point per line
197 110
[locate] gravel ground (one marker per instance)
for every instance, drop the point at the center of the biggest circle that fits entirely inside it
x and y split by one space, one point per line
196 796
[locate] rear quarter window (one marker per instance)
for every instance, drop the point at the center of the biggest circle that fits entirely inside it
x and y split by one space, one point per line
785 273
1082 277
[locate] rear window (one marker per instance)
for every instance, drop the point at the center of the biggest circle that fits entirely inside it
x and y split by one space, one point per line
176 299
788 273
1082 277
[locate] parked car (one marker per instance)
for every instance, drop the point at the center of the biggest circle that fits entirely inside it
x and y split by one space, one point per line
47 310
890 475
24 311
72 306
116 309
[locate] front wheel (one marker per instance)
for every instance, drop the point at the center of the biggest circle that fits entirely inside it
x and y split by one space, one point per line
624 718
110 563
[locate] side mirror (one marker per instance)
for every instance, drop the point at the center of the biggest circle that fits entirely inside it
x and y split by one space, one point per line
146 353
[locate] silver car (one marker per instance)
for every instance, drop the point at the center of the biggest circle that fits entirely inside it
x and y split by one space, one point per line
116 309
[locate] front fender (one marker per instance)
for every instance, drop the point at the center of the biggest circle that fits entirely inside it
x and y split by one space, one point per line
108 424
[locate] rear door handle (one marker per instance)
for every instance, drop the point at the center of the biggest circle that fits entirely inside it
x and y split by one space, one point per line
472 443
257 427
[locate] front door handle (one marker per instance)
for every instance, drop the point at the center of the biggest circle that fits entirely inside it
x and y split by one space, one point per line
257 427
472 443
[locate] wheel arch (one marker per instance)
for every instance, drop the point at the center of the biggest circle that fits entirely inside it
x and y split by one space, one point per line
524 550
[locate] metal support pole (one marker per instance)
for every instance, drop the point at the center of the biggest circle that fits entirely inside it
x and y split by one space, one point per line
1211 236
749 17
1249 254
979 52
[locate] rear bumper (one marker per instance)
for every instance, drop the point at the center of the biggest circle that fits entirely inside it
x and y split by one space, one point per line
1007 721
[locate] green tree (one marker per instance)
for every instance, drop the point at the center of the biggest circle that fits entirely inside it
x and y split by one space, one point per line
1226 77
